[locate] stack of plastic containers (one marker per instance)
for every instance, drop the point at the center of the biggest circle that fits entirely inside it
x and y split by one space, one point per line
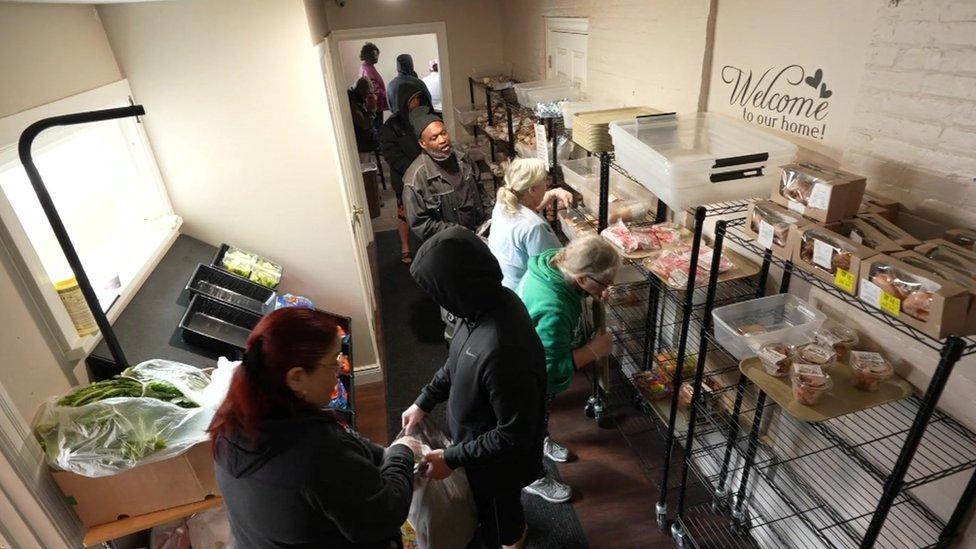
628 200
699 158
549 95
522 90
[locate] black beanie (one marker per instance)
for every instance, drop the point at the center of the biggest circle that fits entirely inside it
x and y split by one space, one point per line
420 118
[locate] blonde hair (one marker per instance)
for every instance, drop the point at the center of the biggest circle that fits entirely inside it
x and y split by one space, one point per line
588 255
521 175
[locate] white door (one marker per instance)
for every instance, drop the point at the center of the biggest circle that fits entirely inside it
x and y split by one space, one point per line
566 42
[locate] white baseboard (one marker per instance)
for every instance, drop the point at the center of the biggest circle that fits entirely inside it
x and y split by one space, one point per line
371 373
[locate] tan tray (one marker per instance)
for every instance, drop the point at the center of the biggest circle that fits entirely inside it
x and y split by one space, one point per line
842 399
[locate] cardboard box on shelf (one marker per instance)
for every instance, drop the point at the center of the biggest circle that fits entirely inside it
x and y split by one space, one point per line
931 247
770 225
965 238
819 193
863 233
180 480
890 230
828 256
939 307
889 208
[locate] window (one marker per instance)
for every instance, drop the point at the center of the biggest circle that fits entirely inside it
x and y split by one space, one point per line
105 184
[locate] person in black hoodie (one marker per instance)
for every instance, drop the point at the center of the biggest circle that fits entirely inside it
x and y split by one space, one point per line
406 73
494 383
291 475
400 147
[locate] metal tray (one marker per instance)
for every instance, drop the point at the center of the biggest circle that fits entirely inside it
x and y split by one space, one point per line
215 325
218 259
231 289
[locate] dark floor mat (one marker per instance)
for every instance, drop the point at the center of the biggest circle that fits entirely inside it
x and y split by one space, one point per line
414 343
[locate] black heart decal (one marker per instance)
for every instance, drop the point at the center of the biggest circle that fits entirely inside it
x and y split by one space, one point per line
814 81
824 92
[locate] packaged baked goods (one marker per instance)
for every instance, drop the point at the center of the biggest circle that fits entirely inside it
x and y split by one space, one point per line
861 232
946 253
817 354
869 370
820 193
890 230
962 237
841 338
935 268
810 383
707 393
916 293
770 224
776 358
829 256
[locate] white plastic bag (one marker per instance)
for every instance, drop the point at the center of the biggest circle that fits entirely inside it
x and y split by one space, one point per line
442 512
211 530
105 437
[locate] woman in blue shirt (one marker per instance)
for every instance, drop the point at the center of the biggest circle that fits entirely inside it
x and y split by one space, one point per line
518 232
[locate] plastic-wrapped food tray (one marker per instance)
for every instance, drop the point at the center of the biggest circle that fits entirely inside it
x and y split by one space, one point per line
701 158
231 289
217 326
783 318
275 270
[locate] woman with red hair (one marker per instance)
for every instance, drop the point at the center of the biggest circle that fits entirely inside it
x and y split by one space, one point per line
290 474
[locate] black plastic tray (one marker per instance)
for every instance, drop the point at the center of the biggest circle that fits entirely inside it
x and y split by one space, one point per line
215 325
219 258
231 289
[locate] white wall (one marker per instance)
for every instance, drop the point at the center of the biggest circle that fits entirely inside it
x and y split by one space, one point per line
236 112
914 132
423 48
640 52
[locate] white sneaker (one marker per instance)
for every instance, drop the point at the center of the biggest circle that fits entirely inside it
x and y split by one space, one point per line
555 451
550 490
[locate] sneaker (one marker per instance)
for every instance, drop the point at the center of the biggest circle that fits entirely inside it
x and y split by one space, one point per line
555 451
550 490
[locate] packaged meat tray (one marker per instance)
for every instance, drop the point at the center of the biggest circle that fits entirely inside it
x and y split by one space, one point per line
633 242
890 230
820 193
700 158
869 370
742 328
861 232
829 256
931 304
673 266
770 225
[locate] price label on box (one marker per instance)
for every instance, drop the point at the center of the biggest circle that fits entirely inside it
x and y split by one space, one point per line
823 254
765 235
819 196
797 207
541 144
845 280
890 304
872 294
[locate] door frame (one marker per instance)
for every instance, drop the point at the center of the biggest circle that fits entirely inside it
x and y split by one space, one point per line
347 154
570 25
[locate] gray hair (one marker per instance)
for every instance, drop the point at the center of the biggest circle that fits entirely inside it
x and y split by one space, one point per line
590 256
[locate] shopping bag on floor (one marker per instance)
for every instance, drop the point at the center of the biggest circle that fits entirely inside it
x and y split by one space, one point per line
442 512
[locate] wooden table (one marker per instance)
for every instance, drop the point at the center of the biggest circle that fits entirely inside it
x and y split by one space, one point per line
114 530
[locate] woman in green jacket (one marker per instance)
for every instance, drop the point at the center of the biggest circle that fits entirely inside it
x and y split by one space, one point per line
553 288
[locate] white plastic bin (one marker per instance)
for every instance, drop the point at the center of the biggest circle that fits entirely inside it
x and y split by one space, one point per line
781 318
583 175
467 114
699 158
522 89
548 95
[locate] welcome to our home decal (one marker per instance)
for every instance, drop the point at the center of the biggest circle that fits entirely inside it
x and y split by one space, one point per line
790 98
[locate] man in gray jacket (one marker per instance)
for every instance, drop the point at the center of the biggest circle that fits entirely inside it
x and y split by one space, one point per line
440 188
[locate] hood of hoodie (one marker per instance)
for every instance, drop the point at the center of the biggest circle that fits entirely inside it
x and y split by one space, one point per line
242 457
539 267
459 273
403 89
404 65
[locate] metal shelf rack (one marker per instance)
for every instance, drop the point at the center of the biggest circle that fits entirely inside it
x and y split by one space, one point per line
844 482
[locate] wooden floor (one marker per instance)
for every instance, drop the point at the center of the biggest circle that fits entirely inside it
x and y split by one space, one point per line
371 412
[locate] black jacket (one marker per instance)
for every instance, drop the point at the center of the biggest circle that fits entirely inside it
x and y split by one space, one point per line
362 121
432 203
494 380
398 143
308 483
405 74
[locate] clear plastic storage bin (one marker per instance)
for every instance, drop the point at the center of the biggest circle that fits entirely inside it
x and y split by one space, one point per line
783 318
491 75
548 95
522 90
467 115
699 158
583 175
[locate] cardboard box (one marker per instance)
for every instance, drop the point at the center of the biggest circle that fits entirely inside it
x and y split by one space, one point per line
860 232
186 478
891 231
822 194
965 238
889 208
938 247
782 223
816 250
951 310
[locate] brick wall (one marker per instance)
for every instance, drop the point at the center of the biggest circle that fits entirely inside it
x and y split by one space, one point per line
914 130
640 52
